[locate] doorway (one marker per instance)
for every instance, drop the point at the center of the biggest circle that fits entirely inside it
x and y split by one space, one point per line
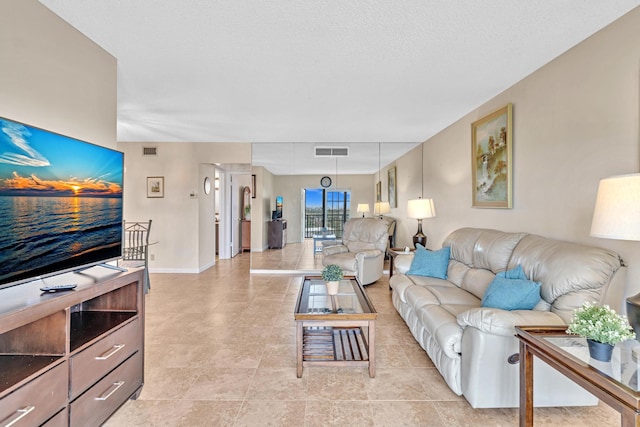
325 210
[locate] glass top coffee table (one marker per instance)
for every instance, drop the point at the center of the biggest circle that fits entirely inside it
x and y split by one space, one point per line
336 330
616 383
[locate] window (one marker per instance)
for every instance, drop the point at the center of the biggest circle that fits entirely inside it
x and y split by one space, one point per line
325 210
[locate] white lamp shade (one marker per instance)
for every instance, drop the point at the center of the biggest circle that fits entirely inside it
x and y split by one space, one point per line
617 211
381 208
421 208
362 208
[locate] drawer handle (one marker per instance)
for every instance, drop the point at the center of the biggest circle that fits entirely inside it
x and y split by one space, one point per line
114 387
17 416
110 352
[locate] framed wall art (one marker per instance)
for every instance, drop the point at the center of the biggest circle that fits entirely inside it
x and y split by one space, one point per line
491 159
378 191
392 187
155 186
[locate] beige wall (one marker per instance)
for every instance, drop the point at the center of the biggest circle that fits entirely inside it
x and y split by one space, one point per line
53 77
183 219
576 120
261 209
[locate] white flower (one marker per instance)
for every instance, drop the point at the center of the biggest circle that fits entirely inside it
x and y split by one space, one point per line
600 323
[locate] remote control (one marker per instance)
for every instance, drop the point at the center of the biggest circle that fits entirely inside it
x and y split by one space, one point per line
58 288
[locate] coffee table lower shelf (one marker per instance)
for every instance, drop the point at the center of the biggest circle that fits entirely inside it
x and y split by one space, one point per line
334 346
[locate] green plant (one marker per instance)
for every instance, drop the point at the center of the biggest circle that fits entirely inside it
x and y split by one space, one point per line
600 323
332 272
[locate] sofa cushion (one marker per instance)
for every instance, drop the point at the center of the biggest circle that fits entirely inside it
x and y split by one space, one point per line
444 293
400 283
346 260
477 281
515 273
493 249
512 294
430 263
564 267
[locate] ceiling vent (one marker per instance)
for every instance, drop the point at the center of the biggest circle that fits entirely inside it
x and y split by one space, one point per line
332 151
149 151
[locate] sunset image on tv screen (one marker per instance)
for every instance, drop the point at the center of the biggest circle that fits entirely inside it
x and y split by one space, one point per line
60 202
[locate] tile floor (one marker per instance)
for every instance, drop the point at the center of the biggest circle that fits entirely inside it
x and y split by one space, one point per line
220 351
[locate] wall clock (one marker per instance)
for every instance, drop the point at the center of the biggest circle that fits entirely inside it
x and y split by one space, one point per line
325 181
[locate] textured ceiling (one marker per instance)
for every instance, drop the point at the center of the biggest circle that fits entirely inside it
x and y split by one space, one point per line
321 71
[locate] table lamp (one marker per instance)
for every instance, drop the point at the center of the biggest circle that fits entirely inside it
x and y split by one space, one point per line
362 208
420 209
617 216
381 208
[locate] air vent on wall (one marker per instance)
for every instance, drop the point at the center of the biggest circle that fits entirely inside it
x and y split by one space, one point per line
149 151
332 151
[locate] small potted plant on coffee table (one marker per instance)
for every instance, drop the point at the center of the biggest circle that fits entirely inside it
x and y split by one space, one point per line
602 327
332 274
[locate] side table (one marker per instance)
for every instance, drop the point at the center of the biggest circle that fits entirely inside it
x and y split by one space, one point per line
393 253
320 238
548 343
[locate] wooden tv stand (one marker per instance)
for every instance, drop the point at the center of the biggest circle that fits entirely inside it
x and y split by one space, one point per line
71 358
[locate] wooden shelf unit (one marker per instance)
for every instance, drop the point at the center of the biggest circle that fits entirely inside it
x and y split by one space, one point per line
71 358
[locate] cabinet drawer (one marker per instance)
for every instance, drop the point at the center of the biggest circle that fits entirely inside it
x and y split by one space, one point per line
37 400
101 400
60 420
95 361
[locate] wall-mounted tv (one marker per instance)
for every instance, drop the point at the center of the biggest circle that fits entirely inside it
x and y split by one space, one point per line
60 203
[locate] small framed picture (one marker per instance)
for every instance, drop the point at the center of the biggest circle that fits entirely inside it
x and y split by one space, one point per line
155 186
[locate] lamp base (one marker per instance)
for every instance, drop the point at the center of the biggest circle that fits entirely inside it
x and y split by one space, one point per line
633 313
421 239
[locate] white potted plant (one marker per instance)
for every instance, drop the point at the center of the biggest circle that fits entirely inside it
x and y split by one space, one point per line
602 327
332 274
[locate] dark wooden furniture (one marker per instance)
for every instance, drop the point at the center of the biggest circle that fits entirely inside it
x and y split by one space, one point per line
335 330
245 236
71 358
277 233
567 354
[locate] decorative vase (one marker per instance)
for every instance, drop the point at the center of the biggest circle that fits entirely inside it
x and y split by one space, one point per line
633 313
600 351
332 287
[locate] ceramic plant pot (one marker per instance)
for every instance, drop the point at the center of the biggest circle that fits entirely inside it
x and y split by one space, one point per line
332 287
600 351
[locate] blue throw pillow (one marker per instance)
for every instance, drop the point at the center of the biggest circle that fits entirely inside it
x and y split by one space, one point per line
512 294
430 263
514 273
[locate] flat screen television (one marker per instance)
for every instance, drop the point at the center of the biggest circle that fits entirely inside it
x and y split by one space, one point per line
279 207
60 203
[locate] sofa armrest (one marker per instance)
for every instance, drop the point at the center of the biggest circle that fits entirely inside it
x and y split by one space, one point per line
402 263
502 322
337 249
369 253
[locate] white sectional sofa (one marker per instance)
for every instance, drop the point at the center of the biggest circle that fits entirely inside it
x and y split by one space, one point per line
469 344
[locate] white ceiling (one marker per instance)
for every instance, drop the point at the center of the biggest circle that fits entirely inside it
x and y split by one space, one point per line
321 71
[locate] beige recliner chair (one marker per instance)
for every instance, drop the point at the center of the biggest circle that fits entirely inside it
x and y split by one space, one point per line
361 253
